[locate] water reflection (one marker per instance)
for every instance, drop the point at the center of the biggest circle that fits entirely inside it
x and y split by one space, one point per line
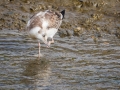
37 73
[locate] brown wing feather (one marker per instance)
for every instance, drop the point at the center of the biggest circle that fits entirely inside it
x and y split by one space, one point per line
35 21
54 19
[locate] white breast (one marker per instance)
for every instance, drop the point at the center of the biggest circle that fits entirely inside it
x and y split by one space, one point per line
34 33
51 32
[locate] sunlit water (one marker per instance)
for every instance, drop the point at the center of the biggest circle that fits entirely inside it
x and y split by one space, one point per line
71 63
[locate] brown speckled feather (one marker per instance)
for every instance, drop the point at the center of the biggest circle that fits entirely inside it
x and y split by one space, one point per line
54 19
34 22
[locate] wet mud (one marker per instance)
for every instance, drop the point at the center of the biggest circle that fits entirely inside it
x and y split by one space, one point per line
95 15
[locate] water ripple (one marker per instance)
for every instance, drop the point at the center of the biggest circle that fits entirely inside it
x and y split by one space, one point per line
70 63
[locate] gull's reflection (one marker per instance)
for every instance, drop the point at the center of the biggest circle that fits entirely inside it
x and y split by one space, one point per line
37 74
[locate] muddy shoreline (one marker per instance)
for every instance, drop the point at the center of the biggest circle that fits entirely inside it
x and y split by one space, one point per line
95 16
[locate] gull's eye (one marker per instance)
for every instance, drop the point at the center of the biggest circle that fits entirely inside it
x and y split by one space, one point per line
48 27
43 35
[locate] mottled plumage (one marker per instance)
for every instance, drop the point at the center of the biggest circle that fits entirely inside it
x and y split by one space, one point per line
44 25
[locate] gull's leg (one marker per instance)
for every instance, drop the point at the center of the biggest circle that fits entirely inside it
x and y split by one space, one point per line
49 43
39 49
45 39
52 40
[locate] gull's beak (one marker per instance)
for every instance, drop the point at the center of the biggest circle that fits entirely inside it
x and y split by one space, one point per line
49 43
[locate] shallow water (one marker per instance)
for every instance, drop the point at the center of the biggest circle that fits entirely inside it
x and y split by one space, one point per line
71 63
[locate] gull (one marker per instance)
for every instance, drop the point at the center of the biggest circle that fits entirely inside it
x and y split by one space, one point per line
44 25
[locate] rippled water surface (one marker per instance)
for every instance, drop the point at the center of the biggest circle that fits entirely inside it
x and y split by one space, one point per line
69 64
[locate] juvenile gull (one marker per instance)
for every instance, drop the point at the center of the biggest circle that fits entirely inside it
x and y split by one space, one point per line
44 25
